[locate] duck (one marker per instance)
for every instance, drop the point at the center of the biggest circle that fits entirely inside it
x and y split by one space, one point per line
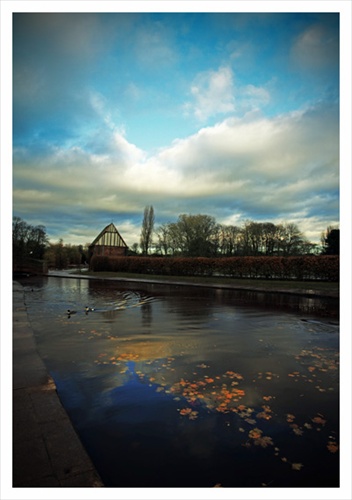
87 309
69 312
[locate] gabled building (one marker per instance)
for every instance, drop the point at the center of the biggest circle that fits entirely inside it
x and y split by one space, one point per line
108 243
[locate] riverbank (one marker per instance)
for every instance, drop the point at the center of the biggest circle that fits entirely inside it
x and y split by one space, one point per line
305 288
46 449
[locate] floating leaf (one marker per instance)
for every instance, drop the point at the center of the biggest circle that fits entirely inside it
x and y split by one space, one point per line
231 374
185 411
255 433
319 420
264 441
296 466
298 432
332 446
250 421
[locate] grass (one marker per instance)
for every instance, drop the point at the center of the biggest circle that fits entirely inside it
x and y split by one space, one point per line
241 283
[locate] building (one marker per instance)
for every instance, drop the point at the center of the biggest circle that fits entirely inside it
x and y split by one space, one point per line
108 243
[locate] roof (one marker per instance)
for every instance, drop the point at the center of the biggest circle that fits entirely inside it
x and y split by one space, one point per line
110 237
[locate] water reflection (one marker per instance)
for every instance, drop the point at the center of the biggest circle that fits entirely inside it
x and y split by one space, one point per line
212 381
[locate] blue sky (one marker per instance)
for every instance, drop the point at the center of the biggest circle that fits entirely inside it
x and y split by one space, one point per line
231 115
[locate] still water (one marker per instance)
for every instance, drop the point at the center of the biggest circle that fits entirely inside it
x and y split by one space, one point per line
179 386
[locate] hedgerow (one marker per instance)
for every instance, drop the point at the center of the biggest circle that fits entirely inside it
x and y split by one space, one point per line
322 267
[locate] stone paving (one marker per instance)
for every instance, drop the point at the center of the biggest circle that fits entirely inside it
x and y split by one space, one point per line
47 452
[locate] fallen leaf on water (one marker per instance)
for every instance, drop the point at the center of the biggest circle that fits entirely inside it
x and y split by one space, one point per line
255 433
250 421
263 441
298 432
319 420
185 411
332 446
231 374
296 466
290 417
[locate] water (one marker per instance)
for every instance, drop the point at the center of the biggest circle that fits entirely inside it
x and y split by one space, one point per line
176 386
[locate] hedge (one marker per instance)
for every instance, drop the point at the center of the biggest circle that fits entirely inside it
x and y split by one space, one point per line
321 267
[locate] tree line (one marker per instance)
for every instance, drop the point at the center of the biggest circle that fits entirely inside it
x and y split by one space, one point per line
201 236
32 242
190 236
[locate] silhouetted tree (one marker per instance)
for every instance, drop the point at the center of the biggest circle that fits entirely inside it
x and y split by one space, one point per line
331 241
27 240
147 229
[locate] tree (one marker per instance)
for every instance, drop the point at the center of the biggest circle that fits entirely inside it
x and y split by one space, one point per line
331 241
289 239
27 240
197 235
147 229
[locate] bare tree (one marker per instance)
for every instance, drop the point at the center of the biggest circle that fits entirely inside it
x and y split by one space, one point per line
147 229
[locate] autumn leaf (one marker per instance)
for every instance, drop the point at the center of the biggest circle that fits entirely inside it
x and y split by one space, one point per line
332 446
296 466
264 415
298 432
231 374
290 417
319 420
264 441
193 415
255 433
185 411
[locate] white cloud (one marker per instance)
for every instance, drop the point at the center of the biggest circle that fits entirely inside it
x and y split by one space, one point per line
250 168
213 93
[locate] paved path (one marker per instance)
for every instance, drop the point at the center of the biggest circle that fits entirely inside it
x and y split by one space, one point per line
46 449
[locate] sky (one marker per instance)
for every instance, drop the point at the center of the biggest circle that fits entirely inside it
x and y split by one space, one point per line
233 115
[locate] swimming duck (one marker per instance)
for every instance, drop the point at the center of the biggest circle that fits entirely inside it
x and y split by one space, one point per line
87 309
69 312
